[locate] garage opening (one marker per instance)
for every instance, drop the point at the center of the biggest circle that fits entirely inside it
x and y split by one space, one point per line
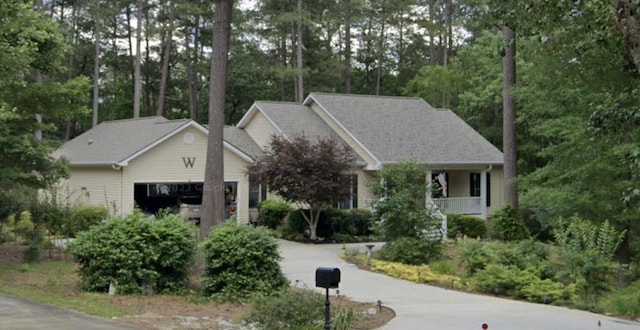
182 198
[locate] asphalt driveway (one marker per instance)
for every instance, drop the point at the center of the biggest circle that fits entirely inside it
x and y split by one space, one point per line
419 306
20 314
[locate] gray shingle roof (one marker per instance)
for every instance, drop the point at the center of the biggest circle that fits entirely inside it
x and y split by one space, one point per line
116 141
242 141
397 129
295 119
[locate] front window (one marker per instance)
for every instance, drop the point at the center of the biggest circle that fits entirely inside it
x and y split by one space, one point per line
257 193
474 184
352 201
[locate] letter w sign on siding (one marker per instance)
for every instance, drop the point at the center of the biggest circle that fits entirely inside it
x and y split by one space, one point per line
188 161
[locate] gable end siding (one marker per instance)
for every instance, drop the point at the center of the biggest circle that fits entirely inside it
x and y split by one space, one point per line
260 130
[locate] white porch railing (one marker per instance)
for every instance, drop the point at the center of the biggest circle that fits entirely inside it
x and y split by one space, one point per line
459 205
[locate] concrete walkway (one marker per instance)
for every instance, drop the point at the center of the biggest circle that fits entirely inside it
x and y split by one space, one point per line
419 306
20 314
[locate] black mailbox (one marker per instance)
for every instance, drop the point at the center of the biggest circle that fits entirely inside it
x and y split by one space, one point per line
327 277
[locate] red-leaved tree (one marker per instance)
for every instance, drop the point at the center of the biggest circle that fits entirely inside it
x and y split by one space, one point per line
309 173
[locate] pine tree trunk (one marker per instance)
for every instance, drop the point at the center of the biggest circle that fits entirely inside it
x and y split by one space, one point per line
191 75
509 118
299 64
432 45
447 37
137 81
629 25
96 67
164 80
213 210
347 49
381 51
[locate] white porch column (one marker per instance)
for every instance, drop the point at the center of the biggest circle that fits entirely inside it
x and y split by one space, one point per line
483 193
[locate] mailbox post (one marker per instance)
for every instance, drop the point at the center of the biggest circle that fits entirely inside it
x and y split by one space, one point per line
327 278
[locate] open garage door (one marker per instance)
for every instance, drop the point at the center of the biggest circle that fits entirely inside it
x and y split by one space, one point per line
182 198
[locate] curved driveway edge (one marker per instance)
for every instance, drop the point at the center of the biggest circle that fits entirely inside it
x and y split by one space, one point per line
20 314
420 306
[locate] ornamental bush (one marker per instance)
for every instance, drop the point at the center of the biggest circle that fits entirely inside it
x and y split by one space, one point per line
360 221
528 254
241 261
507 225
136 252
469 226
521 284
412 251
82 217
287 309
273 212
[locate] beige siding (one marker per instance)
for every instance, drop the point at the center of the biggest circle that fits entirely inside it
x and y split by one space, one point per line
365 196
497 190
260 130
234 171
93 185
458 183
343 135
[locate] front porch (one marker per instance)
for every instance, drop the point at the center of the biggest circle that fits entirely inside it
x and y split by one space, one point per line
461 191
460 205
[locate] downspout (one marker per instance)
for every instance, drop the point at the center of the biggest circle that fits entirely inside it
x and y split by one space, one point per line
118 167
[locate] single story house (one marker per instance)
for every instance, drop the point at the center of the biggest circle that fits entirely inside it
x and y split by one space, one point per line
153 162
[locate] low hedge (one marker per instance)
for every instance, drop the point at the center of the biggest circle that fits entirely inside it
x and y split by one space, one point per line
468 226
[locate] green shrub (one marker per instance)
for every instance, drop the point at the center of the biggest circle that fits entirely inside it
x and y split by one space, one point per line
82 217
360 222
547 291
51 214
134 252
30 234
297 224
501 280
297 309
520 284
624 301
273 212
586 250
343 238
412 251
507 225
288 309
241 261
399 195
446 267
351 251
523 255
327 223
467 225
336 222
476 256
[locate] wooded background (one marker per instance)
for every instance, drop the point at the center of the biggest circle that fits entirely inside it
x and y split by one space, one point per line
66 65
